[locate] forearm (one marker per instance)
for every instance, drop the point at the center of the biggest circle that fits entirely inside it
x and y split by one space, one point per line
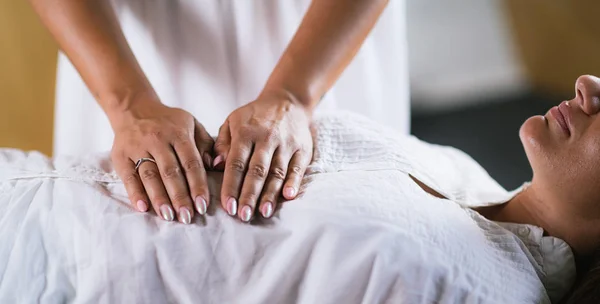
90 35
329 36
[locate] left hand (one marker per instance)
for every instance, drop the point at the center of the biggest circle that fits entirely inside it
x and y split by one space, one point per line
264 147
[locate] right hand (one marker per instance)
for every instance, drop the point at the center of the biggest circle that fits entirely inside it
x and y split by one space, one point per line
181 148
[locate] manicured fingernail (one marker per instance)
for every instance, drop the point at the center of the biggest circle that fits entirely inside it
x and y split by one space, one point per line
207 160
201 205
267 209
184 215
142 206
232 206
246 213
167 212
217 161
289 192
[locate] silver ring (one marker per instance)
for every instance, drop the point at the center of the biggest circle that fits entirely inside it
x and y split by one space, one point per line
141 161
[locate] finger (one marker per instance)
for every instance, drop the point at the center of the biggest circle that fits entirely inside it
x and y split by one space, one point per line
175 183
222 146
135 189
295 173
235 170
254 180
195 175
204 144
155 189
274 183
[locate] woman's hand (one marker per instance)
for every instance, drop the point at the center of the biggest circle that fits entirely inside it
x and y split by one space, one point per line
264 147
181 148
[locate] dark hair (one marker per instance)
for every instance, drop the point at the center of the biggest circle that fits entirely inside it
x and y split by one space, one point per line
587 287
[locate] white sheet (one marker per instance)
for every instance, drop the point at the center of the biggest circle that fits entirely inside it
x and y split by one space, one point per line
361 232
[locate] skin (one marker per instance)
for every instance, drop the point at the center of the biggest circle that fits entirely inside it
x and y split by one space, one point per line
563 196
263 147
266 145
564 193
88 32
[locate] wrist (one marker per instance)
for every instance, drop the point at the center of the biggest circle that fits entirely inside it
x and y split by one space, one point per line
128 104
294 97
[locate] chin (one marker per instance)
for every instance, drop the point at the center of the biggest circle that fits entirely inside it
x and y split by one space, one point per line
533 130
534 134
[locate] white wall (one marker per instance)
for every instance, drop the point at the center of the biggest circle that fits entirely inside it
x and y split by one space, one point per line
460 53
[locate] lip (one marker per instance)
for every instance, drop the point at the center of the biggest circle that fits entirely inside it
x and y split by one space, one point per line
562 114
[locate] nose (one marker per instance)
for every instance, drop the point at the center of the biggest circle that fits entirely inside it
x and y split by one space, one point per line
587 93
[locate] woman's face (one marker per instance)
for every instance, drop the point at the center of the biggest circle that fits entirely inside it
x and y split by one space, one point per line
563 148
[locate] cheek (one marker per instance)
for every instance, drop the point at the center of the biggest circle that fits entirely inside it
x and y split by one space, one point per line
568 171
590 149
585 157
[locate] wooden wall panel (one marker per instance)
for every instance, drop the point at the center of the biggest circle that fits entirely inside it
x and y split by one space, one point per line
558 41
27 73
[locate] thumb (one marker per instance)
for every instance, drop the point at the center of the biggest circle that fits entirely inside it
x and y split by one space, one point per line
204 143
222 146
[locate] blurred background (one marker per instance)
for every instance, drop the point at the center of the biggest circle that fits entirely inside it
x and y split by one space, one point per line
478 70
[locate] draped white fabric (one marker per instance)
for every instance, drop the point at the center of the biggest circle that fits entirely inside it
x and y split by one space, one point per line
361 232
210 57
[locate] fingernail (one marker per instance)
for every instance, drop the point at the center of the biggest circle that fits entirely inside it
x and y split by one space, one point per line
267 209
201 205
184 215
246 213
208 160
167 212
232 206
142 206
289 192
217 161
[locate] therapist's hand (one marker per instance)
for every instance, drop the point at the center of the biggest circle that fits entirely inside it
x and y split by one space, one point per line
264 147
180 146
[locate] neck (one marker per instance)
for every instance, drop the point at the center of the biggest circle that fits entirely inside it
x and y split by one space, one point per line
527 207
524 208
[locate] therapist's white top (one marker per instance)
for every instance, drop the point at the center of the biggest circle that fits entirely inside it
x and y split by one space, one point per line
361 231
210 57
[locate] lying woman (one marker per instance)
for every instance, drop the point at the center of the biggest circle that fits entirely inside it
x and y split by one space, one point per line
380 218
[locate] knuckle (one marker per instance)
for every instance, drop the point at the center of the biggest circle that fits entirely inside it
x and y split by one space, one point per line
181 135
192 165
149 174
258 171
291 142
155 135
255 121
278 173
271 135
130 179
180 197
220 144
296 169
172 172
246 131
237 165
